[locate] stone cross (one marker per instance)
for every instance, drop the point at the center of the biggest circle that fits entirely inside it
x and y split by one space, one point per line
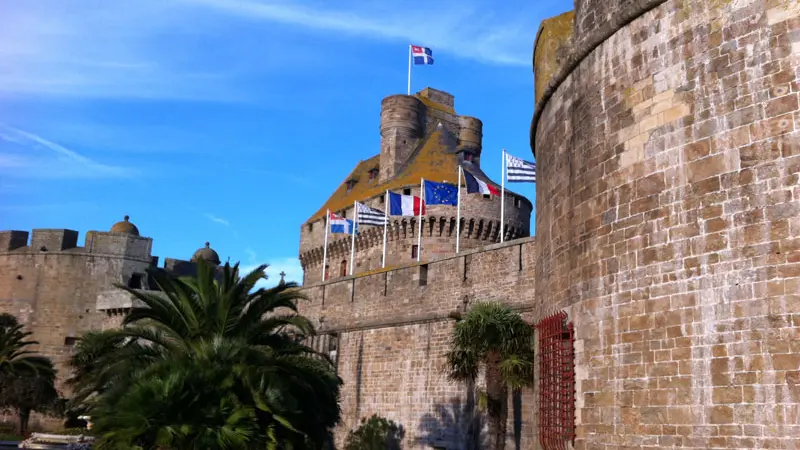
282 274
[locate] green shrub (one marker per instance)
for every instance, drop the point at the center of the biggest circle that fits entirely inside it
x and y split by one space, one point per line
375 433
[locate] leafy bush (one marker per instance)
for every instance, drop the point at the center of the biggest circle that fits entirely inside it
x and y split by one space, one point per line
375 433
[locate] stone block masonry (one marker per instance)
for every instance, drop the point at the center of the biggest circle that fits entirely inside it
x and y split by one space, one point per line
393 328
668 224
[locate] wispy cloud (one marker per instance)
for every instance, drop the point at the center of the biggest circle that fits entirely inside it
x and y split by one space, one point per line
216 219
26 154
463 28
150 49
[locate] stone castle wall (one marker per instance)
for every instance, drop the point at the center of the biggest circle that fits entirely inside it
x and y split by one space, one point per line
480 226
52 285
667 225
393 329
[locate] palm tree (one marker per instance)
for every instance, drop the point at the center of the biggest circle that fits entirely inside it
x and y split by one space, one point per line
27 379
209 354
15 358
493 337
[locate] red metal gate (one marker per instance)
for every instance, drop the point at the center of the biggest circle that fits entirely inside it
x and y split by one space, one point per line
556 382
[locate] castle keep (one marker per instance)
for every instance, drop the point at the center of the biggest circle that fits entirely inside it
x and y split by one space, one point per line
421 137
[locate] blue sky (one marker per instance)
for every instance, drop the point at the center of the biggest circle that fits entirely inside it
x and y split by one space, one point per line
231 121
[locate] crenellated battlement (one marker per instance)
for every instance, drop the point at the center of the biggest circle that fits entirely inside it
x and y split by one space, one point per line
481 230
428 291
57 241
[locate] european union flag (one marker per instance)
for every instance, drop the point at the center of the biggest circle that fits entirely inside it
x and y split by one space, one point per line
440 193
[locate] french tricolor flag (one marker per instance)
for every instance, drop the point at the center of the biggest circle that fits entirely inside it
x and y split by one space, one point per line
476 185
405 205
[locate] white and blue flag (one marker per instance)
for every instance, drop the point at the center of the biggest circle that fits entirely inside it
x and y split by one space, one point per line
422 55
340 224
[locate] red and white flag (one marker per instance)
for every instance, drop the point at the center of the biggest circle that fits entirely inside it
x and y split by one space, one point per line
475 185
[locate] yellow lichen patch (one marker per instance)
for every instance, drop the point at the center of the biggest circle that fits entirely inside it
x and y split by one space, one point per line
433 161
435 105
553 44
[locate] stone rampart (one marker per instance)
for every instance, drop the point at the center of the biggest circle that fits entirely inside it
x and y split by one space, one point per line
393 327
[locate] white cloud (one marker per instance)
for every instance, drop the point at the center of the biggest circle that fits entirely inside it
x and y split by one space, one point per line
216 219
42 158
204 50
464 29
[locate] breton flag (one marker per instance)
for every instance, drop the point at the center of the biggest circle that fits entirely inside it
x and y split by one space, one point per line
520 171
341 225
405 205
475 185
422 55
370 216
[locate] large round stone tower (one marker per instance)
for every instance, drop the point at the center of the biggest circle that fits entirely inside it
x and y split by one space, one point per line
667 140
422 137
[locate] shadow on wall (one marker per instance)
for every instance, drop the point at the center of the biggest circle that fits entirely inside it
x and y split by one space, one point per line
457 425
461 425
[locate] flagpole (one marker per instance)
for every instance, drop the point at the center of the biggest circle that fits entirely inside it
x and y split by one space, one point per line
458 214
409 69
503 198
421 208
385 226
325 245
353 237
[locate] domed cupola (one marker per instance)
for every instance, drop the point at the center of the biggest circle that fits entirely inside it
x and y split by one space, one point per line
125 227
206 254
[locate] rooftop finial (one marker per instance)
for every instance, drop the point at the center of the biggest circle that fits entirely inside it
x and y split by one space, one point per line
282 274
126 217
207 244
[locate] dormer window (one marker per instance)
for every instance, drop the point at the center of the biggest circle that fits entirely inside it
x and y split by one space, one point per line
373 173
350 184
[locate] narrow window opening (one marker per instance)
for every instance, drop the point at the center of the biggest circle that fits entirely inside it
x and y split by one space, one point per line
136 281
468 157
343 268
423 275
414 251
310 227
327 275
407 191
382 199
518 203
487 196
70 341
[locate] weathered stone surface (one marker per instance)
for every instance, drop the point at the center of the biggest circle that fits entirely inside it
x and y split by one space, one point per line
683 296
393 333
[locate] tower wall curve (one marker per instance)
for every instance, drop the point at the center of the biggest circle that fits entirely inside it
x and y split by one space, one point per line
668 225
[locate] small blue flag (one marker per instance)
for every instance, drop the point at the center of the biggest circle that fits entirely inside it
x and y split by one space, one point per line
440 193
422 55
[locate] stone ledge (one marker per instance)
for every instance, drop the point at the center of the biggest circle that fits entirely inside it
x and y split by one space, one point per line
118 299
